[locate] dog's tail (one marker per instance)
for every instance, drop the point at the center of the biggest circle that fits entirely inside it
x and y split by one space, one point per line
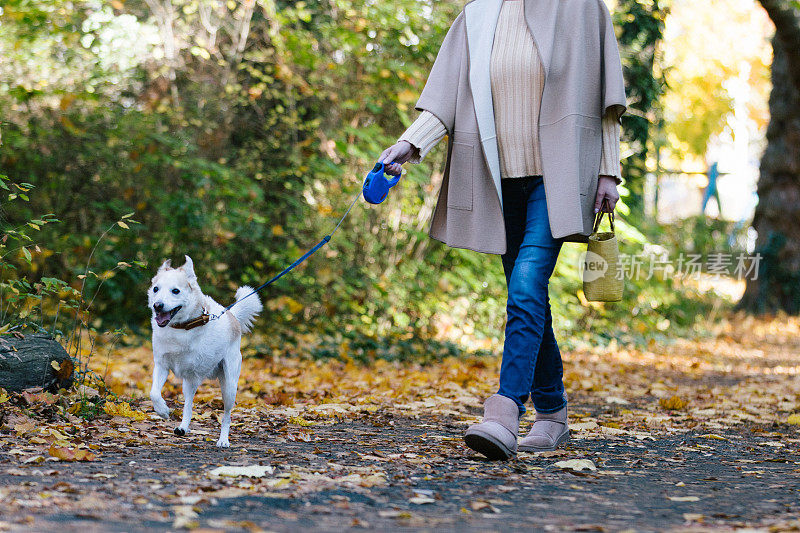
246 311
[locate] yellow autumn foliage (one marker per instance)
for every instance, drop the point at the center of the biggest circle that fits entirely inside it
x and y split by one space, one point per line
673 403
123 409
300 421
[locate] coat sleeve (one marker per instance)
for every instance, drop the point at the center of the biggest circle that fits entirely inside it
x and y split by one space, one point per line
613 81
609 161
439 94
423 135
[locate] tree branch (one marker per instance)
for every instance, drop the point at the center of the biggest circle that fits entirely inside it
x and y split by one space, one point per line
165 17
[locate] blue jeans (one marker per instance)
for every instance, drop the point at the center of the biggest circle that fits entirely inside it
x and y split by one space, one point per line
531 364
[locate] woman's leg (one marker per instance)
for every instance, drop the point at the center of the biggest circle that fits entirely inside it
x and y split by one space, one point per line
496 436
528 262
548 376
530 342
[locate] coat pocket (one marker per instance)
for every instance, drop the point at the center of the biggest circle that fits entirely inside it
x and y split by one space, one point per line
590 144
459 190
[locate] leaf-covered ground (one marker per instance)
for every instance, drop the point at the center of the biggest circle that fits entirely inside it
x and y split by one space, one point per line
691 435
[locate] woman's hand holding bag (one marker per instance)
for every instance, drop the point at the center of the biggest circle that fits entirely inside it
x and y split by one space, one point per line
602 277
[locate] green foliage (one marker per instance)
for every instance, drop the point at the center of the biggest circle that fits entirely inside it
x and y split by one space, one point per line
702 234
654 308
20 254
641 28
28 297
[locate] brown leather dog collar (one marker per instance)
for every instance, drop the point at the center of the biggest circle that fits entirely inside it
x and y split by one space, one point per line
201 320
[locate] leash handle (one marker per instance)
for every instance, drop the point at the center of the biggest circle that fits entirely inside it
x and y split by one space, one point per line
376 185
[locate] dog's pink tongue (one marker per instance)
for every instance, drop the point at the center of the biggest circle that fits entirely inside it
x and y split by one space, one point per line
162 319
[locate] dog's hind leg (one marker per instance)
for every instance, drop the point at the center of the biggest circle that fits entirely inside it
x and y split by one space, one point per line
189 389
160 375
228 382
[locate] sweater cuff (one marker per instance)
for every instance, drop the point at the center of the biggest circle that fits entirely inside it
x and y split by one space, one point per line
423 135
609 161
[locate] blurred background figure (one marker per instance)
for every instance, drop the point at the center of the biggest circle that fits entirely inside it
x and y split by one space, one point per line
711 188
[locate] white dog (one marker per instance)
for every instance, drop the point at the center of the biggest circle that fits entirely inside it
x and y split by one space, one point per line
192 346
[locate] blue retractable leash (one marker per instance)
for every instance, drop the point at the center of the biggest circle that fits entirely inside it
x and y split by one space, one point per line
375 189
376 186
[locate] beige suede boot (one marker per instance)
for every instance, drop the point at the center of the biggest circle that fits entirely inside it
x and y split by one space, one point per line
548 432
496 436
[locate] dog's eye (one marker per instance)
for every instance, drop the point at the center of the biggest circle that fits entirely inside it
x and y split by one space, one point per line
176 291
155 290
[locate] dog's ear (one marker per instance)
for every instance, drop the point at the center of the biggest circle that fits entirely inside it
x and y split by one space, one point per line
166 265
188 267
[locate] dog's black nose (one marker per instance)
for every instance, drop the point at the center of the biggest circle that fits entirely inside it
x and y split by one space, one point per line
158 307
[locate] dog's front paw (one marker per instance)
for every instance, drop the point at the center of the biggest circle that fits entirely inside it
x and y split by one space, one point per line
223 443
179 431
160 407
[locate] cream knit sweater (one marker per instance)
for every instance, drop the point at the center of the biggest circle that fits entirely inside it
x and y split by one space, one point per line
517 78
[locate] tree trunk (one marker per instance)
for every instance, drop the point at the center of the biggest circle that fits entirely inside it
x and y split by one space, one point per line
777 216
34 361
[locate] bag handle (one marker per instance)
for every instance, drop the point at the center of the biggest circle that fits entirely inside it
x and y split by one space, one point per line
599 217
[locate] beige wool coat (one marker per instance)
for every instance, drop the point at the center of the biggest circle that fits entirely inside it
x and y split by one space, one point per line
583 79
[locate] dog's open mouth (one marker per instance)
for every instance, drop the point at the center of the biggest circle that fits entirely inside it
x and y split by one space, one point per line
163 318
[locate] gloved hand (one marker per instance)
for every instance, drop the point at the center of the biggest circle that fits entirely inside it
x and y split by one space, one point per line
396 155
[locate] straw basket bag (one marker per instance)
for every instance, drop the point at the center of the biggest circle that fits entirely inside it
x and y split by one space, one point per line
602 281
